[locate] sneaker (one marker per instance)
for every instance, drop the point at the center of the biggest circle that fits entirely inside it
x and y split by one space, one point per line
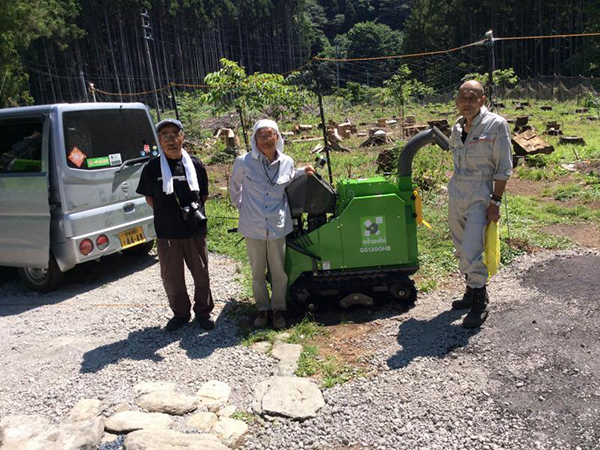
176 323
261 320
278 320
466 301
480 310
206 323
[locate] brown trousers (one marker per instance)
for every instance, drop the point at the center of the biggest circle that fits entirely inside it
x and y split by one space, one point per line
171 254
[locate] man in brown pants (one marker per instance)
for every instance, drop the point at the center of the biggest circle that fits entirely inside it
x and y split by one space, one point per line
176 187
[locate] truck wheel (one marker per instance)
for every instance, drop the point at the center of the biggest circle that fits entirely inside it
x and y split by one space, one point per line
140 249
42 280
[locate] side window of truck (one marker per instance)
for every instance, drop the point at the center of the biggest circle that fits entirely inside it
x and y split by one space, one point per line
21 145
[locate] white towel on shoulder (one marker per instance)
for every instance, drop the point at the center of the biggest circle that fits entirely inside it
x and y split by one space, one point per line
167 176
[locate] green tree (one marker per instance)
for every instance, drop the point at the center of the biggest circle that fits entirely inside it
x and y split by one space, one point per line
231 88
368 39
501 78
22 22
401 87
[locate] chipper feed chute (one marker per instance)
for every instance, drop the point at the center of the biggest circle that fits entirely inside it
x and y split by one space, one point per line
359 243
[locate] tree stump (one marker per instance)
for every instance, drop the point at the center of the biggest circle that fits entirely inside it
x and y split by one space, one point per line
574 140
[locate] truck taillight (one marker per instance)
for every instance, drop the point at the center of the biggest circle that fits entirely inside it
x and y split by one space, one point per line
86 246
102 242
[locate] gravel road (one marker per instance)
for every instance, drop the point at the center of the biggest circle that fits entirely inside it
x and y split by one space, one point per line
530 378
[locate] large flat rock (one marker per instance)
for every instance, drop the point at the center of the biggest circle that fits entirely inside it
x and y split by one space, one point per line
213 394
127 421
18 428
168 402
294 397
171 440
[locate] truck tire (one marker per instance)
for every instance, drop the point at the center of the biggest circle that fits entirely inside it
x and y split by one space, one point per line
140 249
42 280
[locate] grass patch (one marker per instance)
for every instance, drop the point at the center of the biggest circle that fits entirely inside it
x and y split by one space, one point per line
308 364
335 372
329 370
253 336
305 331
245 416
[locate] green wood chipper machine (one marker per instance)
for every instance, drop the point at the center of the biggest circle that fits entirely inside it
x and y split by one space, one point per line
357 243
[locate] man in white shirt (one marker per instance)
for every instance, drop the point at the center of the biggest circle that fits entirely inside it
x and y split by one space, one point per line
480 143
257 189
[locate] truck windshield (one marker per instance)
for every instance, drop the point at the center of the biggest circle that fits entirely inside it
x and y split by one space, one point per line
105 138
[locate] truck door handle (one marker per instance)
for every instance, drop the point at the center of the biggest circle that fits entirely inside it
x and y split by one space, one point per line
129 207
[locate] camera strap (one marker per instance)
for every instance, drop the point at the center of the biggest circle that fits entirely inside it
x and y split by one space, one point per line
272 181
192 192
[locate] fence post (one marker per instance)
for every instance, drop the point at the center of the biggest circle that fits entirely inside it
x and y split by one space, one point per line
322 111
174 100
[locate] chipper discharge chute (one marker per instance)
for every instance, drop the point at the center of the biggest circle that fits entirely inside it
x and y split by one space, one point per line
358 242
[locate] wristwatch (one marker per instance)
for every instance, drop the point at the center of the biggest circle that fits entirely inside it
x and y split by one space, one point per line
496 201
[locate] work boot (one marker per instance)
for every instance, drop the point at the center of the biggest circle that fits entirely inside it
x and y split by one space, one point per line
176 323
465 302
479 310
206 323
278 320
262 319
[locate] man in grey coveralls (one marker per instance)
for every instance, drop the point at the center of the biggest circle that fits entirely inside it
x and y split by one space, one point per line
480 144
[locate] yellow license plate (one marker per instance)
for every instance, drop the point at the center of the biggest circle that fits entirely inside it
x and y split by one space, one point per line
132 237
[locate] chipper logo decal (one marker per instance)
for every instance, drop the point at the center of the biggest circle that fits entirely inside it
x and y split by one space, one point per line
373 235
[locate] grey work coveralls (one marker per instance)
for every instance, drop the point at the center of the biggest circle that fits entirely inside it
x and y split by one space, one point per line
483 157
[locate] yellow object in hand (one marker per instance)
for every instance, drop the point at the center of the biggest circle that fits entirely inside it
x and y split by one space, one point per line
491 248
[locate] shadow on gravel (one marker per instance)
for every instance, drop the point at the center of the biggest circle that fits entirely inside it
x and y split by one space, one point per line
430 338
16 298
145 343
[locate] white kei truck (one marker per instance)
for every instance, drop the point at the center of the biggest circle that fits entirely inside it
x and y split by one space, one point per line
68 176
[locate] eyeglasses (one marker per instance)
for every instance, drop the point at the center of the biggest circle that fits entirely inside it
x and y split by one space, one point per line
264 137
169 136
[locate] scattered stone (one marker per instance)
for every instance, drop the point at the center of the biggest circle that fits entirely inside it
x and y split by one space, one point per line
230 430
213 394
20 428
122 407
288 355
82 435
227 411
261 346
109 437
172 440
86 409
145 387
203 421
127 421
294 397
168 402
283 351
